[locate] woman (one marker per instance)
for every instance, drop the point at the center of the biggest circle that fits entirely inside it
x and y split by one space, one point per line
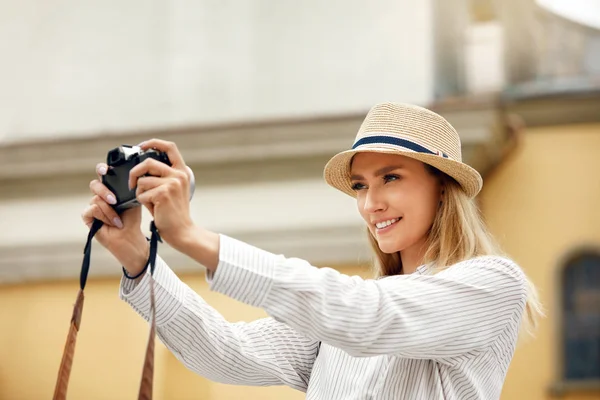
440 319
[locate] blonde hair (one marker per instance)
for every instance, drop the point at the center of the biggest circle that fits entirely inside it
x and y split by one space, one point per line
458 233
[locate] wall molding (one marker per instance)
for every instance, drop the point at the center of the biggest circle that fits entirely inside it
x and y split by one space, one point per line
201 146
570 100
320 246
225 144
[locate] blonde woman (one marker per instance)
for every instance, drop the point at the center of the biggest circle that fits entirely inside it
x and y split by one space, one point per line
440 320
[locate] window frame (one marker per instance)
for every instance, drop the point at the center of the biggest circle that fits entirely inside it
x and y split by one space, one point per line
563 386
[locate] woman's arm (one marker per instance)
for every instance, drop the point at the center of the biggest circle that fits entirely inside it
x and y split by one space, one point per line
261 353
464 308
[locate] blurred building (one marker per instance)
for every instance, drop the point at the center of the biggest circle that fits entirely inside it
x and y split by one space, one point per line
258 95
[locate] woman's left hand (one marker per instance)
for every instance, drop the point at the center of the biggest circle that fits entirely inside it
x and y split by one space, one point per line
166 193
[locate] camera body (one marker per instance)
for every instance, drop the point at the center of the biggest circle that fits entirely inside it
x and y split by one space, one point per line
121 161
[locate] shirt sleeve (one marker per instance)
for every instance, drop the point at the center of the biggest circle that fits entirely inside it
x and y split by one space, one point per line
460 309
261 353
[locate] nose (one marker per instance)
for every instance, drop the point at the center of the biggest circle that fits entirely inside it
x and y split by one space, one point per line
374 201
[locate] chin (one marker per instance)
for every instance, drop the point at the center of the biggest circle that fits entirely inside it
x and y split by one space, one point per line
389 248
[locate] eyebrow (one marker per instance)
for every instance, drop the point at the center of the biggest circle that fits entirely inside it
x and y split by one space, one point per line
379 172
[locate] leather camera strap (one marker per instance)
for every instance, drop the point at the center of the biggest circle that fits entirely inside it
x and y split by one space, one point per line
64 372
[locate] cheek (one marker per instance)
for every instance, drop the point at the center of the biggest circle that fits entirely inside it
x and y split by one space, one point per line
422 213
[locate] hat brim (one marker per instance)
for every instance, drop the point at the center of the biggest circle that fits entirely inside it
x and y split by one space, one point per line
337 169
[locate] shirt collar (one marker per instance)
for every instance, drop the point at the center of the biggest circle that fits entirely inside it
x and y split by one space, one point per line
421 269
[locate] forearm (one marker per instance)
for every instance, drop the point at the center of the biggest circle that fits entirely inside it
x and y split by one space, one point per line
264 352
260 353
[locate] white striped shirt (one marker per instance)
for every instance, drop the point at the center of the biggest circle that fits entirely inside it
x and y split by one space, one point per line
449 335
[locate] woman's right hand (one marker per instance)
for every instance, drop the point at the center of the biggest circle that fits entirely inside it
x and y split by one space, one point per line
121 235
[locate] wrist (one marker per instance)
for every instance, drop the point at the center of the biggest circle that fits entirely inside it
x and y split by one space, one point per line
201 245
184 239
133 254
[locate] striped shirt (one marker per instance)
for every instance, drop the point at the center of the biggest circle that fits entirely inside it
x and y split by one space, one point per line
449 335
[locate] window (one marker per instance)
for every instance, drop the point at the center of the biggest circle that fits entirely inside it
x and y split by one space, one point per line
581 317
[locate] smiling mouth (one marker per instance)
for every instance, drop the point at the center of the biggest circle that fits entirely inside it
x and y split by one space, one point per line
385 224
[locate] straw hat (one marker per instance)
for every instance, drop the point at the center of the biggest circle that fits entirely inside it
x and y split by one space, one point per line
410 131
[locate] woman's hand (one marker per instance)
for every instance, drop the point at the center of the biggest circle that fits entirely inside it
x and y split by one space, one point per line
165 193
122 236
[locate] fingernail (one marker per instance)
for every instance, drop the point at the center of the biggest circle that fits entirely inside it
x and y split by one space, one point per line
111 199
102 170
141 144
117 222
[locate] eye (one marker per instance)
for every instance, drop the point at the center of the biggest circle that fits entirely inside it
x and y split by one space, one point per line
357 186
391 177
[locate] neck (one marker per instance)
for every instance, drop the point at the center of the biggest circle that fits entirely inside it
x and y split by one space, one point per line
412 257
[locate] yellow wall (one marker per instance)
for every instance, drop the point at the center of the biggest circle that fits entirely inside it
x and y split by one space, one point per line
110 345
543 203
35 321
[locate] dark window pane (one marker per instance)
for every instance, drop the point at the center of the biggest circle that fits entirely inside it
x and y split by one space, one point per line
581 317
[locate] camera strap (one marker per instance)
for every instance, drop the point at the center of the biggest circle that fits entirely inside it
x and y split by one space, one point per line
62 382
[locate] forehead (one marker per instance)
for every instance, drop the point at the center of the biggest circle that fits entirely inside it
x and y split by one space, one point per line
366 162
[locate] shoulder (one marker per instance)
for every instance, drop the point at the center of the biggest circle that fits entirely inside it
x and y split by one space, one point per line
495 269
497 278
494 263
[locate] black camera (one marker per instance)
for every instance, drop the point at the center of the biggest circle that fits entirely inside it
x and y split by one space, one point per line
120 161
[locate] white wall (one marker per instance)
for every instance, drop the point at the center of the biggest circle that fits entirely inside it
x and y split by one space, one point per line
44 238
235 209
86 67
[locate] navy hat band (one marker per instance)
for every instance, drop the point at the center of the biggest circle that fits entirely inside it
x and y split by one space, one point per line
407 144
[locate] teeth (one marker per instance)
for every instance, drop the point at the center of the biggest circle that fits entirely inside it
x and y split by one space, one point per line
381 225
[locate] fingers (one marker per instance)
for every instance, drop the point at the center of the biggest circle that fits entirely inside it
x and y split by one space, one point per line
101 170
154 190
147 183
94 212
98 188
147 189
169 187
109 213
166 147
102 191
88 216
98 209
156 169
148 197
